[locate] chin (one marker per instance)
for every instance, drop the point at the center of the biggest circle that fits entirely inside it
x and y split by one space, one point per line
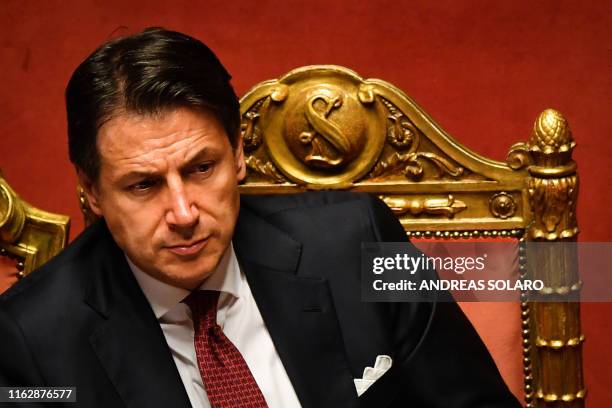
192 280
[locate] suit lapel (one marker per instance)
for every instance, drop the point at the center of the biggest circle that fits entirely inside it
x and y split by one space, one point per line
129 342
298 312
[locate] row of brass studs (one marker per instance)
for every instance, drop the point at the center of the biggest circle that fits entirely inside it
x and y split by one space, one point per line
20 261
525 331
517 233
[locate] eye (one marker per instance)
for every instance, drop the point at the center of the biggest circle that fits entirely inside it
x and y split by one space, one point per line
142 186
203 169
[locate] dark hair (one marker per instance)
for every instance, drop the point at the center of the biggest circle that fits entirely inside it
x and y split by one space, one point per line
145 73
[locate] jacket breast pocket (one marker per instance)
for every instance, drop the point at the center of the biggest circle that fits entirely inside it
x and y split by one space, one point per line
384 392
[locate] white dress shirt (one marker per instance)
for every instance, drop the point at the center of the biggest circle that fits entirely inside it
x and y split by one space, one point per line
238 316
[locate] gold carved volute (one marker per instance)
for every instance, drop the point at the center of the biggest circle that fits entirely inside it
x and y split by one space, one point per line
12 214
28 234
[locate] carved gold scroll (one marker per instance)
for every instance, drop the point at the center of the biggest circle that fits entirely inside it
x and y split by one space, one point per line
28 234
324 127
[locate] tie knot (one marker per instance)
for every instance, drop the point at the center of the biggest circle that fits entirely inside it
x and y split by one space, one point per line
203 305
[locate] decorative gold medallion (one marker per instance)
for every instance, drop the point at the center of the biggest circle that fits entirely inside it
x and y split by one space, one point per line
502 205
322 126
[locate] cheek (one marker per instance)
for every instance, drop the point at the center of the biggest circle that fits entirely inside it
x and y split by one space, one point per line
221 214
220 208
133 227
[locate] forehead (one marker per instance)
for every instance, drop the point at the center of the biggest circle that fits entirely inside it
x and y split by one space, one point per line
136 137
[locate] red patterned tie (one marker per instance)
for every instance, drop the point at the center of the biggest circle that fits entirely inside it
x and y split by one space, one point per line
226 376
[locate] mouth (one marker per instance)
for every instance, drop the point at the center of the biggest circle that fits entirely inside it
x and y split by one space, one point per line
189 248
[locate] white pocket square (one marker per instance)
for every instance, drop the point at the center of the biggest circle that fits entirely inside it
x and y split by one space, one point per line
371 374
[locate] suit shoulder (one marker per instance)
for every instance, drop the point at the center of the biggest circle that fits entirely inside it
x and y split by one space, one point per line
65 272
309 214
265 205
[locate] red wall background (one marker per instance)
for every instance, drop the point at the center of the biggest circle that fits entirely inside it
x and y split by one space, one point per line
483 70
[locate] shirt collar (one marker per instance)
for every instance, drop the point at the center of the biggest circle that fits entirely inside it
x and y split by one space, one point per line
162 297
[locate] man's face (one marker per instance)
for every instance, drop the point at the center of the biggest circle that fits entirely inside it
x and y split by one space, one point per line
168 190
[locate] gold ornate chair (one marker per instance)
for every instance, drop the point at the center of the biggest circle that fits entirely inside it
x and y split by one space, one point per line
29 237
324 127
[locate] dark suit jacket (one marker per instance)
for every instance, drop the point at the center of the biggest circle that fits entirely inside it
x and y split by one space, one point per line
82 320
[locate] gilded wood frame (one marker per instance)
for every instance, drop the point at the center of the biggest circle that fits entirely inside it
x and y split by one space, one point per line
28 234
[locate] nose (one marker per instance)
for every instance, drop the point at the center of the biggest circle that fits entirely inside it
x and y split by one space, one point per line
182 212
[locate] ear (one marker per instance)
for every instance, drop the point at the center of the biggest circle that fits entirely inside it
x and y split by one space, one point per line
92 193
239 160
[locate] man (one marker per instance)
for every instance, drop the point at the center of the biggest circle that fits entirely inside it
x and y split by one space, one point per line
186 293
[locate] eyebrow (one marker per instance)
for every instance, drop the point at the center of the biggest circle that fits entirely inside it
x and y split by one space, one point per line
195 159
